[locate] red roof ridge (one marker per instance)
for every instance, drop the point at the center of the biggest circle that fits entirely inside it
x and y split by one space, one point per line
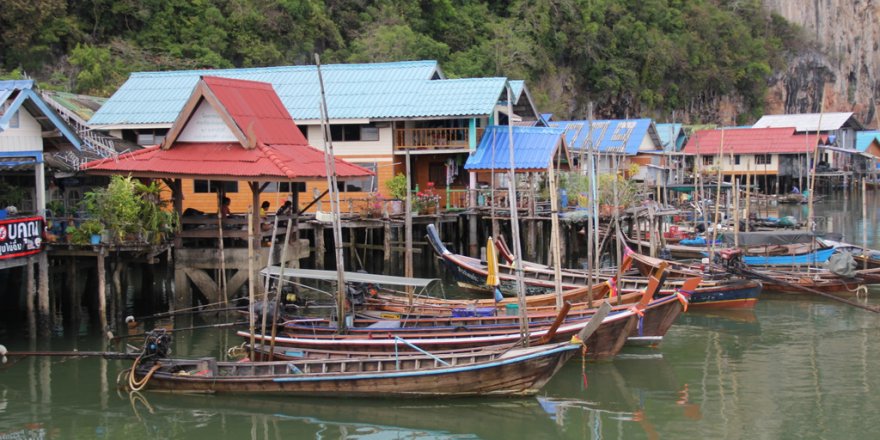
270 153
132 154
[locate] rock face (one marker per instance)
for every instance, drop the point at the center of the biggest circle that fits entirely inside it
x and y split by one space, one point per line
844 66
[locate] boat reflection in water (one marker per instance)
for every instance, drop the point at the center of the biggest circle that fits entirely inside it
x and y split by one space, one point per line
620 399
272 417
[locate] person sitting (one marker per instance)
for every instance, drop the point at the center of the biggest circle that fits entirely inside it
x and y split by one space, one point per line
225 212
264 216
285 209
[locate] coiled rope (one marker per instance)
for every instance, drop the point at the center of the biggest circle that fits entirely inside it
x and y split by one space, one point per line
135 384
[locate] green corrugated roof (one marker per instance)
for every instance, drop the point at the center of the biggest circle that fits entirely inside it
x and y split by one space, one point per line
354 91
83 106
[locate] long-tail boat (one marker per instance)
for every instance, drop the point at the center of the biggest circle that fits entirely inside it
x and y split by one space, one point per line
646 318
720 292
497 370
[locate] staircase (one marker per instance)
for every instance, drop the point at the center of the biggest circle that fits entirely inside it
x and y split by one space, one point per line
94 143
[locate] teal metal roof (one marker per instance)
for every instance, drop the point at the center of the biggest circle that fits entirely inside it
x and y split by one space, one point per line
533 148
864 139
516 89
354 91
671 136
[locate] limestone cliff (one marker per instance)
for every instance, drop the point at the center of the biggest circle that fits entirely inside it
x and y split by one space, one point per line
844 64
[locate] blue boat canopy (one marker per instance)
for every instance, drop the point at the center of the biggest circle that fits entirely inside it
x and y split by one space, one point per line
534 149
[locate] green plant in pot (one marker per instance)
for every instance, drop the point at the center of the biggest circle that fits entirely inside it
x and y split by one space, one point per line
131 210
398 191
92 228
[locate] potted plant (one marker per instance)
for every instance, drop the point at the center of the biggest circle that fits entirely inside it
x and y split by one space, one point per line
93 229
397 190
426 200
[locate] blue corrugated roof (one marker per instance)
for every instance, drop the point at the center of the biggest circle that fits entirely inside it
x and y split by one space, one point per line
608 136
533 148
671 136
864 139
16 84
354 91
27 94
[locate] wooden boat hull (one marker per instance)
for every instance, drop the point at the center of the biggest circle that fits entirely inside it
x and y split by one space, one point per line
714 294
514 375
740 295
606 342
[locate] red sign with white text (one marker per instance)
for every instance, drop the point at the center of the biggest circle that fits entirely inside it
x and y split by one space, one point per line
21 236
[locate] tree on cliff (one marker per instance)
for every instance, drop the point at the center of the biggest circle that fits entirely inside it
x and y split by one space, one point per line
628 56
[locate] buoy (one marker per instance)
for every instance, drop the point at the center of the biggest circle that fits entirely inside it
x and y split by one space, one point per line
129 319
109 335
3 350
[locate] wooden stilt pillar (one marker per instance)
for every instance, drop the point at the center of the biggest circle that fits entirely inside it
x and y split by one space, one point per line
43 293
473 246
319 247
30 296
102 290
386 246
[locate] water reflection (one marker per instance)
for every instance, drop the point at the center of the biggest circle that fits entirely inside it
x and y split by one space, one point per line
269 418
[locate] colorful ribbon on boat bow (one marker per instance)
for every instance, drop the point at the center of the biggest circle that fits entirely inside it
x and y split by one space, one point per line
612 286
683 297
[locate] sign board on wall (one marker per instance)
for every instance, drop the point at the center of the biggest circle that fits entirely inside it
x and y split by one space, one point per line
21 236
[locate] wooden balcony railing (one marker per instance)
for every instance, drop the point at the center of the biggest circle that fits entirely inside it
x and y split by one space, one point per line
433 138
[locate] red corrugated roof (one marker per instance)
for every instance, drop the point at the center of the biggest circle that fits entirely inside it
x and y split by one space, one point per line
751 141
281 152
257 110
226 161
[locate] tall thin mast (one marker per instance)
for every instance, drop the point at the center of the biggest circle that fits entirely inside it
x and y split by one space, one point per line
330 166
811 224
514 224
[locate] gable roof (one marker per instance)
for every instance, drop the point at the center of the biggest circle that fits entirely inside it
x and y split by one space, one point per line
865 138
25 96
751 141
354 91
533 148
810 121
270 147
609 136
671 136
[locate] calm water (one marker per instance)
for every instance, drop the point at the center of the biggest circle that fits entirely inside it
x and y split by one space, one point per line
791 369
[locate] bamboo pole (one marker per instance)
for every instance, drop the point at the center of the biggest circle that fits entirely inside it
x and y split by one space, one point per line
251 287
278 292
407 234
748 213
717 200
330 166
102 290
865 223
811 224
514 225
736 213
554 236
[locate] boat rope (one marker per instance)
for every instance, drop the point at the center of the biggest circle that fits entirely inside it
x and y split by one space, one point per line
861 291
239 351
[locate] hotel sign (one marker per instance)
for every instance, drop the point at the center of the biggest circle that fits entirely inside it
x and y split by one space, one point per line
21 236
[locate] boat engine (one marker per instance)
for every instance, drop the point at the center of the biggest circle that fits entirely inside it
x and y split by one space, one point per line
157 344
357 293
